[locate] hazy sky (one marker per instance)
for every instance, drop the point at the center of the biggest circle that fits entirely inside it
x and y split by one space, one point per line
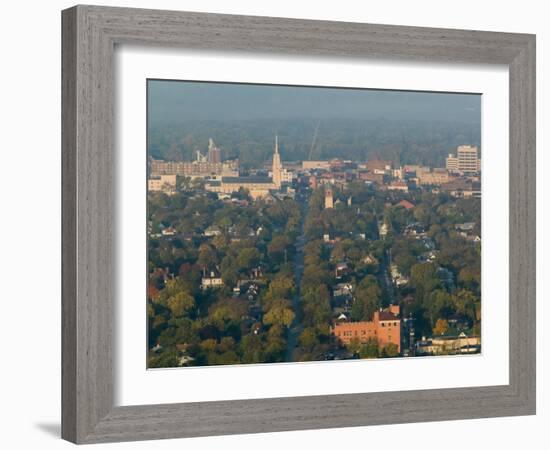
177 101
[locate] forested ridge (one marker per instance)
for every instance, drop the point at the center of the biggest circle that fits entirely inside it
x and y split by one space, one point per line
403 142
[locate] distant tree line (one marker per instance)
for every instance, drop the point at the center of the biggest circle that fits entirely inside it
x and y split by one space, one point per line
410 142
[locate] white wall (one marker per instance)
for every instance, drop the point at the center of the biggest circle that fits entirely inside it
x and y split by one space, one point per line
30 225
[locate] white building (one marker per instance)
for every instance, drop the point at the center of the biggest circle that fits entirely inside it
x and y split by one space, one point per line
257 186
320 165
162 183
211 280
465 161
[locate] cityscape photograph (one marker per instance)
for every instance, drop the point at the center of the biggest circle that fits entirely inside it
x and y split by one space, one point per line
296 223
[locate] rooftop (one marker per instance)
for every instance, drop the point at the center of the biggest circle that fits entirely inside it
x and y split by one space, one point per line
243 180
385 315
405 204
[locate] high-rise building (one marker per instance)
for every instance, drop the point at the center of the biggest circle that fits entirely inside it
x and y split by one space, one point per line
193 169
468 161
214 153
451 163
465 161
204 166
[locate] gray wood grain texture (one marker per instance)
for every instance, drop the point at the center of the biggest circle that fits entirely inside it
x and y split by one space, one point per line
89 36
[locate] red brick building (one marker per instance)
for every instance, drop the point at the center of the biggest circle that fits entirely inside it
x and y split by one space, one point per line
385 327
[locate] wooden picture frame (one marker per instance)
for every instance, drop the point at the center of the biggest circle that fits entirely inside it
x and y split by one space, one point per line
90 34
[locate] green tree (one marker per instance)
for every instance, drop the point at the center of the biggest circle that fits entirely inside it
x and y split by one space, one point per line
390 350
308 338
207 256
251 349
466 303
227 310
176 297
229 271
440 305
278 248
279 314
354 346
470 277
370 349
180 303
248 257
367 299
424 279
282 286
168 358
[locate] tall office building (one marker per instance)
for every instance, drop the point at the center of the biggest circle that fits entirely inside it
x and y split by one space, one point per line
214 153
451 163
465 161
468 161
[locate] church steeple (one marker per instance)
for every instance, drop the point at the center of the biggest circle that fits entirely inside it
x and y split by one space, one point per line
277 168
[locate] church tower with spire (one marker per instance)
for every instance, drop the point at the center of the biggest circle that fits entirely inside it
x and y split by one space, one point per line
277 168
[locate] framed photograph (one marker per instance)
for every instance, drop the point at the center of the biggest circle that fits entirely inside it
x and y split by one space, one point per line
277 224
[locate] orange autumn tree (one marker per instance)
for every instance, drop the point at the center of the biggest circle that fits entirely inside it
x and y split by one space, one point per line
441 327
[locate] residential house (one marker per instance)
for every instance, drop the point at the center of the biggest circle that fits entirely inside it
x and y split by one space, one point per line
341 270
213 230
398 186
169 231
405 204
449 345
211 279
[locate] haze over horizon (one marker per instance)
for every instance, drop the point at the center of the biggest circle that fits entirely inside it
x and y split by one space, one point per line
183 101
